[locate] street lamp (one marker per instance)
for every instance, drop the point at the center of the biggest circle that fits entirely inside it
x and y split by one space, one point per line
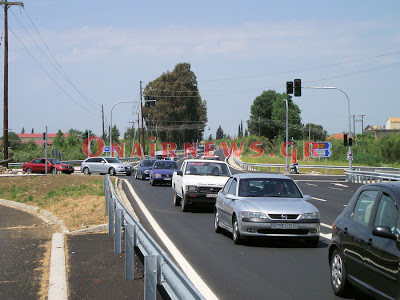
111 121
348 105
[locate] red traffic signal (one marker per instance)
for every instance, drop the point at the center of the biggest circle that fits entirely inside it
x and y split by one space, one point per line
297 87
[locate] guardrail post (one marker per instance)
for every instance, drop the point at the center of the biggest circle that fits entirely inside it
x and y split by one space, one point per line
150 277
111 207
117 236
129 251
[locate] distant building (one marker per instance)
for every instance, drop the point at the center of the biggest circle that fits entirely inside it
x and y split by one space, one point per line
393 123
336 136
38 138
392 127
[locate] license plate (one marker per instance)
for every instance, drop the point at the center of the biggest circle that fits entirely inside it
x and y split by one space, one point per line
167 178
284 226
211 195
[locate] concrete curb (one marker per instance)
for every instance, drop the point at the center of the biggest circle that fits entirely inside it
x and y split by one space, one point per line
57 279
45 215
99 228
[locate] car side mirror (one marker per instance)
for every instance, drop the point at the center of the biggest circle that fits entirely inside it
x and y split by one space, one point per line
230 197
307 197
385 232
179 173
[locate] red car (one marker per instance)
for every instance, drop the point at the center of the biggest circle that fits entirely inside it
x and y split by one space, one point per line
38 165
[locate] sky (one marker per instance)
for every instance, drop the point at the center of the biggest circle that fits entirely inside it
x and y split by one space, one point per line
68 58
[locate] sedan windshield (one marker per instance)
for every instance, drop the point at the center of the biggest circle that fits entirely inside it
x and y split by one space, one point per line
207 168
112 160
266 187
52 160
165 165
148 163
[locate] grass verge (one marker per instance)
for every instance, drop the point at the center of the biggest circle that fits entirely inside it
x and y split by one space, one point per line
77 200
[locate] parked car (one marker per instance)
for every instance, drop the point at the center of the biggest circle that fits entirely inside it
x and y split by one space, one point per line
365 247
105 165
38 165
265 205
143 169
162 172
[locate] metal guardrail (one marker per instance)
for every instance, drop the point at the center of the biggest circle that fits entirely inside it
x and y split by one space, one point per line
259 167
360 176
158 267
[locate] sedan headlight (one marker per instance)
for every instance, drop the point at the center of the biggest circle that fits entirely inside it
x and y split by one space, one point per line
156 175
191 188
147 172
253 214
309 216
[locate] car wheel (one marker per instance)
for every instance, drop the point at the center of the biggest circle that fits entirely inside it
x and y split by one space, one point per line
28 170
128 174
338 274
177 199
216 223
136 177
184 205
312 243
86 171
237 239
112 172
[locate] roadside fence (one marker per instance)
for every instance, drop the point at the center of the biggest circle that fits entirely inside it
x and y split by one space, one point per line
158 267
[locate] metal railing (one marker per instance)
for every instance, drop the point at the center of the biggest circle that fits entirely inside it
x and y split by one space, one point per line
262 167
360 176
158 267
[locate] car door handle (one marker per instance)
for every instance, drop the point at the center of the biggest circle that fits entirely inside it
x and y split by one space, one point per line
369 243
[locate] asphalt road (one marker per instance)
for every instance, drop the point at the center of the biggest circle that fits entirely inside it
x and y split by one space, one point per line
273 269
23 240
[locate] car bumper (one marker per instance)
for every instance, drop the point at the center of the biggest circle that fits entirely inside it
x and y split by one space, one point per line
162 180
303 229
201 198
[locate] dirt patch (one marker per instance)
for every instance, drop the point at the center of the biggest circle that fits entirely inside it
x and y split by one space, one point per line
77 200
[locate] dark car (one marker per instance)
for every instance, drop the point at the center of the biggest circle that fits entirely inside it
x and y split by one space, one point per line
365 248
162 172
143 169
38 165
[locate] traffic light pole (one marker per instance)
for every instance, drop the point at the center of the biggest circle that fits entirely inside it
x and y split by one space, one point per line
348 105
287 135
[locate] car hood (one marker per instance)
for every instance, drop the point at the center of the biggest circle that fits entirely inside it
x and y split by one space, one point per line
278 205
121 165
205 180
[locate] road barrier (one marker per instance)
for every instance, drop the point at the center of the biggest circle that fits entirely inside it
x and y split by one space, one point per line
362 176
158 267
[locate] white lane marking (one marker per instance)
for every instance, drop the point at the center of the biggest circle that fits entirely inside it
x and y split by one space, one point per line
311 184
326 225
186 267
326 236
319 199
339 184
332 188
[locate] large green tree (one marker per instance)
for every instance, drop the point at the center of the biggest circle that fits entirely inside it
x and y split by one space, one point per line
219 134
179 114
268 116
314 132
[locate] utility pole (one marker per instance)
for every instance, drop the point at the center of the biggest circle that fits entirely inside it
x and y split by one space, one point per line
102 118
6 5
354 127
141 109
362 124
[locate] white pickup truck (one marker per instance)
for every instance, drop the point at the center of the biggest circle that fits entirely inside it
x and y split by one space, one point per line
198 182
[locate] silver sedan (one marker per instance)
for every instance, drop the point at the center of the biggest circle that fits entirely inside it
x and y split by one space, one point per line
265 205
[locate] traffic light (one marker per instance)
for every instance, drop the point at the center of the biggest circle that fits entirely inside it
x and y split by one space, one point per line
44 136
297 87
289 87
345 139
350 142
